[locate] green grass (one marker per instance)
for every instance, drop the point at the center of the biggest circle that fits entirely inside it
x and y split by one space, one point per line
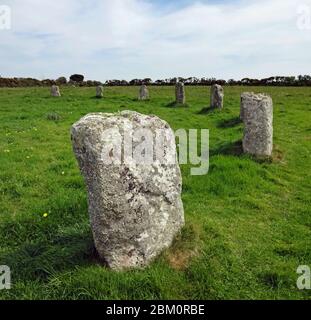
248 222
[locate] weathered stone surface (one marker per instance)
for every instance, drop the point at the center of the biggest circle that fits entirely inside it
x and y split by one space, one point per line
244 97
217 96
180 93
244 102
143 93
99 91
135 209
257 113
55 91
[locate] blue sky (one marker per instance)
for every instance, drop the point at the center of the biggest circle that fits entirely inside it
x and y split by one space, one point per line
125 39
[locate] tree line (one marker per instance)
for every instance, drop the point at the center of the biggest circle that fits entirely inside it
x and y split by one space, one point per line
271 81
78 80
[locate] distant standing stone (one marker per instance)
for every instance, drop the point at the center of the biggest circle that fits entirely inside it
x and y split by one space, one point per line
180 93
135 209
217 96
99 91
55 91
244 102
257 113
143 93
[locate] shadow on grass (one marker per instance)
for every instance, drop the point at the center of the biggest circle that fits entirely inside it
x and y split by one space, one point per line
39 261
209 110
97 98
236 149
174 104
206 110
274 280
229 148
141 100
230 123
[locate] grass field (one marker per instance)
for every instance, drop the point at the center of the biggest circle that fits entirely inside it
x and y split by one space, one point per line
248 223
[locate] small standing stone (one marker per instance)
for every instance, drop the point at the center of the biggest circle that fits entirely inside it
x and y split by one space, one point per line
99 92
55 91
180 93
244 102
217 96
135 209
257 114
143 93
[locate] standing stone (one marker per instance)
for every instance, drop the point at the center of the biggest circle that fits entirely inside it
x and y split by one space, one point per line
55 91
217 96
135 209
257 113
99 91
244 102
244 97
180 93
143 93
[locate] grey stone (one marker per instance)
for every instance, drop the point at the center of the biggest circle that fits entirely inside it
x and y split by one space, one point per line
257 114
143 93
180 93
217 96
99 91
244 102
55 91
135 209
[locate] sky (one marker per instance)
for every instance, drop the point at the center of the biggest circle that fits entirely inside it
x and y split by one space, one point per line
127 39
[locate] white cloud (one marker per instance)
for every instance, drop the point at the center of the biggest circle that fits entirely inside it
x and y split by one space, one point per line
135 38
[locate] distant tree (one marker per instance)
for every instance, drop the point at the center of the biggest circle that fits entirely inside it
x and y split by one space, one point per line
77 78
231 82
61 81
221 82
147 81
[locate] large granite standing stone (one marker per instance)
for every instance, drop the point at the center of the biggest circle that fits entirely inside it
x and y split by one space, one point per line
143 93
135 208
257 114
55 91
99 92
217 96
180 93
